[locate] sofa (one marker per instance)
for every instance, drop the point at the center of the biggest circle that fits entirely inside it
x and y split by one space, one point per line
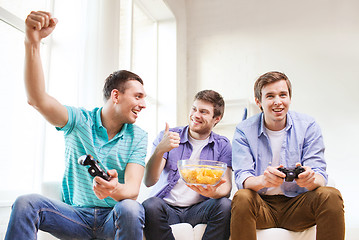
184 231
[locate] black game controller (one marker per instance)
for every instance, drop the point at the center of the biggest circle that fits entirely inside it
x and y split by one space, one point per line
94 169
290 174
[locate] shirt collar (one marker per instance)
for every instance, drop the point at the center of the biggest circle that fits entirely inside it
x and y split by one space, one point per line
289 121
288 125
122 132
184 135
98 124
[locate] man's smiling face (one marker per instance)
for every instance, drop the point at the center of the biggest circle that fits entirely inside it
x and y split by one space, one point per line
275 104
201 121
132 101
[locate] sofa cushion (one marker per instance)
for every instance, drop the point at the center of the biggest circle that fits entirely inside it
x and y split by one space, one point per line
283 234
265 234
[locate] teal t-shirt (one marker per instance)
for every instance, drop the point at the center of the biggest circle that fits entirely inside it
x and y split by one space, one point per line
85 134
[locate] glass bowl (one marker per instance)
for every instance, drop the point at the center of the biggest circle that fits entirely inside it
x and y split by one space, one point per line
201 172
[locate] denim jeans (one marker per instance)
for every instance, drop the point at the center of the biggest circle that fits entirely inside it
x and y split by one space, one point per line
216 213
33 212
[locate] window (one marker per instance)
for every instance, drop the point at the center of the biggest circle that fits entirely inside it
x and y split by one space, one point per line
141 33
32 150
143 61
21 126
21 8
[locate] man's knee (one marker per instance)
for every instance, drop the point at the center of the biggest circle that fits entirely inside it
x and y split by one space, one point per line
153 206
224 205
243 201
331 196
243 196
26 202
328 191
129 209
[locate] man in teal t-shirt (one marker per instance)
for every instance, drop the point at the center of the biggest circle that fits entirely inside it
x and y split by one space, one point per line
92 207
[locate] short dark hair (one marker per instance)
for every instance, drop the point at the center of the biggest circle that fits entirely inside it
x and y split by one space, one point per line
117 80
267 78
212 97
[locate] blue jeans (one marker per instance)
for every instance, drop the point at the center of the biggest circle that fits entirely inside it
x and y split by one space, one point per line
33 212
216 213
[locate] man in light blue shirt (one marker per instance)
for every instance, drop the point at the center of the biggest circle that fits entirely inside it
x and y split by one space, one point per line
92 208
273 139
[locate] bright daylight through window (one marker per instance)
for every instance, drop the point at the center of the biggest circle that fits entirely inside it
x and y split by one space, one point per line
32 150
21 128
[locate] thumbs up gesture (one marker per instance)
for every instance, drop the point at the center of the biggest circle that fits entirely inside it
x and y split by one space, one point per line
169 141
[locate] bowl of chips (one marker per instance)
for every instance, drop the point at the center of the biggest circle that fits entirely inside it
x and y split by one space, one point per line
201 172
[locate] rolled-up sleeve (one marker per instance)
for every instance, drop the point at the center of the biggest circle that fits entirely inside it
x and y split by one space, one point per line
226 153
313 150
242 159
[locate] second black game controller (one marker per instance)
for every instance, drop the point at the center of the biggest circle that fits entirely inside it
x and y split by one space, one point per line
291 174
94 169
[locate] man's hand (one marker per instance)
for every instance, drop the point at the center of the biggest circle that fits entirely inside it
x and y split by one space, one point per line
169 141
103 188
156 163
38 26
207 191
272 177
307 178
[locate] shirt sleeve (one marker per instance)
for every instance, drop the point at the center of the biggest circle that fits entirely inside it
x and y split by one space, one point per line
140 150
313 150
242 159
226 153
70 125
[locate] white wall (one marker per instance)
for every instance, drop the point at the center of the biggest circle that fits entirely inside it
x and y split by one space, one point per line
230 43
178 7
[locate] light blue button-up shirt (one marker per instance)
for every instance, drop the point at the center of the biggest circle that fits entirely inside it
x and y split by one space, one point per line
252 154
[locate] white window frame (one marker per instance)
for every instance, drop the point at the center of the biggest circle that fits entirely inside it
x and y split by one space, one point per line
11 19
165 97
7 198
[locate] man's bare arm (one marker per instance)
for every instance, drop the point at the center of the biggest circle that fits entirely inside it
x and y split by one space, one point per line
38 26
119 191
271 177
156 163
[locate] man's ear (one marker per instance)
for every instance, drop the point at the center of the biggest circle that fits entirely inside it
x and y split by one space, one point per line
217 119
258 103
115 95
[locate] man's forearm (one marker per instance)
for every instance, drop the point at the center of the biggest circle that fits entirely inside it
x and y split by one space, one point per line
223 191
154 168
34 76
254 183
318 182
125 191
